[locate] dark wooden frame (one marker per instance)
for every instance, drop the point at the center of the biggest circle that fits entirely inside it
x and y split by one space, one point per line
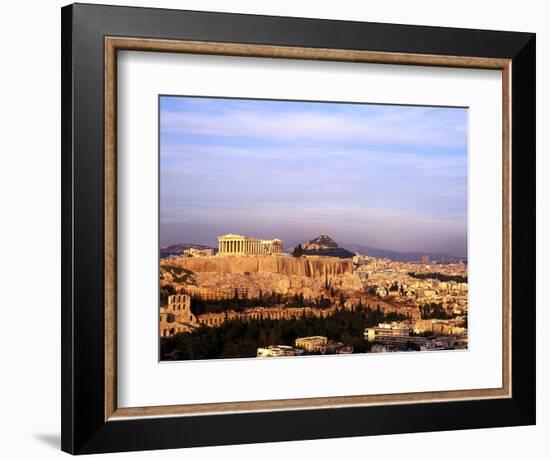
89 416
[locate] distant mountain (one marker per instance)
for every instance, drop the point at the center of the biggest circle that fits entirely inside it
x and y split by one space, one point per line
323 245
178 249
398 255
321 242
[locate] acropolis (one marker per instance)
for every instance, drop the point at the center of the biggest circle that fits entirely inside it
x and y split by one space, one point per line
241 245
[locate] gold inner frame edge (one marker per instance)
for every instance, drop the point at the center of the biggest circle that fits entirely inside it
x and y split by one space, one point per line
114 44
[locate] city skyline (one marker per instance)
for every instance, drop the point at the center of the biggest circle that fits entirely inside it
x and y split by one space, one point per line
387 176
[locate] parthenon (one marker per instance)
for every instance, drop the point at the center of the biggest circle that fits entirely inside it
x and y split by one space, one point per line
241 245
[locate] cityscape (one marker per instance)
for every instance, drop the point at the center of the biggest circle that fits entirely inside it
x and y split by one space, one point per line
232 301
292 229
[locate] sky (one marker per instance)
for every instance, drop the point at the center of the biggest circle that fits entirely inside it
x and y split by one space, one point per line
385 176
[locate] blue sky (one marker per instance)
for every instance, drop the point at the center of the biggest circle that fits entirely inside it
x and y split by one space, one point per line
387 176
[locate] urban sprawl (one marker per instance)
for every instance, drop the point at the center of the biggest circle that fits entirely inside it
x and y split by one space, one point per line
250 298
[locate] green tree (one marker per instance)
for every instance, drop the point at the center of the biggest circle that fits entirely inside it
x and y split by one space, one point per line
239 339
298 251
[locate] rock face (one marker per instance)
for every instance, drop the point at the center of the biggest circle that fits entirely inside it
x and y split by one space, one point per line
313 267
256 275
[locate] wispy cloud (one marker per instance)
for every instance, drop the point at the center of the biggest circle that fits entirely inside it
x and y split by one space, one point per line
387 175
389 125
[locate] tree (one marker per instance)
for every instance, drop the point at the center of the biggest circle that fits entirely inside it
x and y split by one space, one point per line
298 251
238 339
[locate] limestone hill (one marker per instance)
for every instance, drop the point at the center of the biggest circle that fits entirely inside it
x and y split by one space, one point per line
323 245
309 276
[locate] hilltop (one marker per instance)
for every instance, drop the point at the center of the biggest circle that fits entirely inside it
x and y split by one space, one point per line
324 245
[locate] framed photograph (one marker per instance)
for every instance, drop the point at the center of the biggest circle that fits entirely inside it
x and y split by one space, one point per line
284 228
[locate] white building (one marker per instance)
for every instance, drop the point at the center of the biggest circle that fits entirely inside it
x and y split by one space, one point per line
275 350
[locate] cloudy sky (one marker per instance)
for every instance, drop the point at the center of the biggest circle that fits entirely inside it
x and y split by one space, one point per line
391 177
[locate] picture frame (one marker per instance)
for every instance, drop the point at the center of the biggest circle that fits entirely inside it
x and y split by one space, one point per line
92 35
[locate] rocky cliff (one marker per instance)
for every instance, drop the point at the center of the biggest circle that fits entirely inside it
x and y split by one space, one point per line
313 267
309 276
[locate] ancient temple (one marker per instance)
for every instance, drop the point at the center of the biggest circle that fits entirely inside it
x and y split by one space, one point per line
241 245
